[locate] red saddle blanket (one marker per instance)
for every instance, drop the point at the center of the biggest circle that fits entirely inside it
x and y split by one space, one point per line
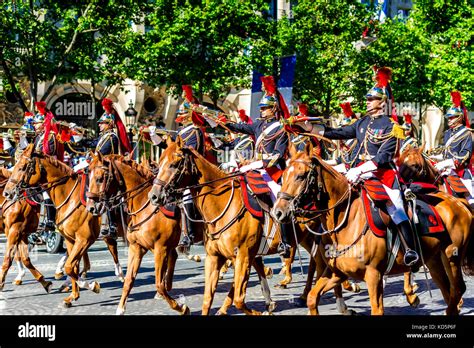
455 185
429 219
375 190
252 184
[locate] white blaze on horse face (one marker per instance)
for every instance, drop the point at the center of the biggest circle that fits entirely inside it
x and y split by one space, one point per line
162 165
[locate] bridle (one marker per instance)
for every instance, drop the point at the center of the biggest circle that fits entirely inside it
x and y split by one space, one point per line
111 173
313 176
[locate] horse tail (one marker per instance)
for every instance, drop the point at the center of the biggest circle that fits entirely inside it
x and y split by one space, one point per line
468 259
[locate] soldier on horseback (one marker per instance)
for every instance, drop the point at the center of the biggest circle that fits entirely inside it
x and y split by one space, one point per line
270 147
376 149
410 139
457 150
242 147
109 142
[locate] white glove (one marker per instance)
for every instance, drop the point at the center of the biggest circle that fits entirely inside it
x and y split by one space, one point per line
230 164
353 175
437 157
251 166
77 137
366 169
6 144
311 128
341 168
446 164
81 165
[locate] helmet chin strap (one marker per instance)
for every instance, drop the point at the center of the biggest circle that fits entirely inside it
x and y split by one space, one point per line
454 122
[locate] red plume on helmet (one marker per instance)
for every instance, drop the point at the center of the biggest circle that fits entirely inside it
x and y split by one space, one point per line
303 109
268 83
383 76
244 117
188 92
457 101
125 145
196 117
108 105
408 118
347 110
41 107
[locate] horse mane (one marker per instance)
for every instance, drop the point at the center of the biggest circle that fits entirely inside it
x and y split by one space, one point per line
5 173
214 168
63 167
421 160
143 171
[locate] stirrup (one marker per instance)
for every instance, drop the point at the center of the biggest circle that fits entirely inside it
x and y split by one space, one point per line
410 258
284 250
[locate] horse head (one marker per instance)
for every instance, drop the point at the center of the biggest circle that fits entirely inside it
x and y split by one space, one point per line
26 173
302 183
415 166
104 182
175 171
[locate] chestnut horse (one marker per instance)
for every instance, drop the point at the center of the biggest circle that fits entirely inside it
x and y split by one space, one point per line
357 253
149 228
233 234
18 218
78 227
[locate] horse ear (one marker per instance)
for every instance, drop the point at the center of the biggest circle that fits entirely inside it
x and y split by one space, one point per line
292 149
169 141
99 156
308 149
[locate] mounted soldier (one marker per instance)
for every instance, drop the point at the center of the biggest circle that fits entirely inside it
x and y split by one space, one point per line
270 146
109 142
377 146
192 135
455 160
242 147
410 139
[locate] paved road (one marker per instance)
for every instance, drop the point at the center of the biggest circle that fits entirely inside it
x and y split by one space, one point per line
31 299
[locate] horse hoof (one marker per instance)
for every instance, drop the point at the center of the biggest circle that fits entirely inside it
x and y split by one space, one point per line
355 288
271 306
221 313
341 306
350 312
158 296
300 302
64 288
269 272
59 275
120 311
67 304
17 282
83 275
96 288
48 286
280 286
461 302
185 310
122 279
266 313
2 286
415 303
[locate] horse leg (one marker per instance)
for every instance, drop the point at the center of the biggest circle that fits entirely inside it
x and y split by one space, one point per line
11 249
260 269
409 290
212 266
241 278
458 282
71 268
21 270
172 257
25 258
112 246
59 273
224 269
326 282
161 253
135 256
227 302
288 275
439 276
351 286
301 301
454 291
86 265
373 278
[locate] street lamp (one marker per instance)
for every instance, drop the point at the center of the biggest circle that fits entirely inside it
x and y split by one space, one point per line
130 119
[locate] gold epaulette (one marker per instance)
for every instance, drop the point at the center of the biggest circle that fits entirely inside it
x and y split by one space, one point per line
397 131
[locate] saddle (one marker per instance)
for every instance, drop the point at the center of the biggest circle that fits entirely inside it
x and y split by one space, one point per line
374 198
455 186
255 193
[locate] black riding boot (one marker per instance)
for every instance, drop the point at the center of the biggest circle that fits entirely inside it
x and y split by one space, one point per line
188 239
406 231
284 246
108 227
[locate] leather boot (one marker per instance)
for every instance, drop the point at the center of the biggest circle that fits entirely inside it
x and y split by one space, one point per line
406 231
284 246
187 240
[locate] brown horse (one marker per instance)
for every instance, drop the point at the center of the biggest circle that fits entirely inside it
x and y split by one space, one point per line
357 253
233 233
149 228
18 218
78 227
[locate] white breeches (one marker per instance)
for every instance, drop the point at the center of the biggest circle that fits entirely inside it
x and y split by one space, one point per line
396 210
272 184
